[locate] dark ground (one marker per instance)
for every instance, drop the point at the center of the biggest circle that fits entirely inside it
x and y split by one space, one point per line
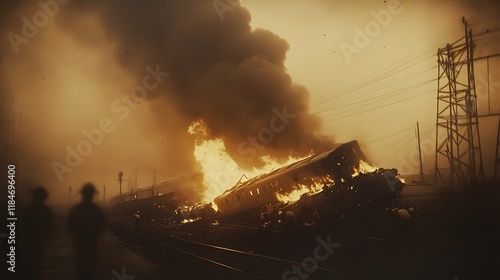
455 236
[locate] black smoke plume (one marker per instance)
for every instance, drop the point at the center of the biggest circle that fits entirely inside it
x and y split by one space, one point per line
221 71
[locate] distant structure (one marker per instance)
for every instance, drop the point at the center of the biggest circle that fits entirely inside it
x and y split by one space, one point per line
457 118
497 158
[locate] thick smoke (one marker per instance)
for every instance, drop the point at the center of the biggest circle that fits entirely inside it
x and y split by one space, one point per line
221 71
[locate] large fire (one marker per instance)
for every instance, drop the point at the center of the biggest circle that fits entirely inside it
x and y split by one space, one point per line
220 171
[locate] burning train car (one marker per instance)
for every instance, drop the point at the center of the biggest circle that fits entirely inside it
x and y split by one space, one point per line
333 181
341 172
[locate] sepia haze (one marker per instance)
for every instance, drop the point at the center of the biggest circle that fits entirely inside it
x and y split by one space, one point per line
222 72
233 72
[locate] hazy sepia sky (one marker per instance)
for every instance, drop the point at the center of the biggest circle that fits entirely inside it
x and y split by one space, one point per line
399 62
67 76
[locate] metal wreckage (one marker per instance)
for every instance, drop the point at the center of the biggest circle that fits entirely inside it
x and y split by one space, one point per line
337 187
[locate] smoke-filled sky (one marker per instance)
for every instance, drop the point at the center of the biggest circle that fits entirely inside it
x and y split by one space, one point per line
90 88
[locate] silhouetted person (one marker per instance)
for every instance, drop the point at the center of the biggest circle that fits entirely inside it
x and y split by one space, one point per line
85 224
35 225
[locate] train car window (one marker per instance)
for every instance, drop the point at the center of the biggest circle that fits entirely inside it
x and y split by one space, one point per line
251 193
258 191
238 197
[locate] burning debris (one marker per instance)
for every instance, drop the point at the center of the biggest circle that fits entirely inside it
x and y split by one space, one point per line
337 178
332 182
202 212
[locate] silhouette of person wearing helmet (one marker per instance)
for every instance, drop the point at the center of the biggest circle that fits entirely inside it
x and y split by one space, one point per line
36 223
85 224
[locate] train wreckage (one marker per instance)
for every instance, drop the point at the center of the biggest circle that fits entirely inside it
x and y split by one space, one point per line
337 183
333 182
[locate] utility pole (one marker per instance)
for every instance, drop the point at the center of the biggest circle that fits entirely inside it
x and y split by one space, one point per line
154 182
420 154
120 180
104 192
497 158
135 181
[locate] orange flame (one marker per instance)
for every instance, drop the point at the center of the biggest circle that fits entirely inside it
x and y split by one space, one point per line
364 167
220 171
297 192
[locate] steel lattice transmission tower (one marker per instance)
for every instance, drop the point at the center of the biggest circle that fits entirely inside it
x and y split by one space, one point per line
458 148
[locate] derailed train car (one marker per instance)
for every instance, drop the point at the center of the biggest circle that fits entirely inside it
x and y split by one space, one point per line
333 174
148 200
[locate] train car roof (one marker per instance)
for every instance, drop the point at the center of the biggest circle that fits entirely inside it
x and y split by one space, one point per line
293 166
178 178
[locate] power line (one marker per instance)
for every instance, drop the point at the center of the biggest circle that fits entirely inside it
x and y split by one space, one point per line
392 144
378 101
375 79
376 108
389 95
378 78
376 140
399 81
402 147
359 73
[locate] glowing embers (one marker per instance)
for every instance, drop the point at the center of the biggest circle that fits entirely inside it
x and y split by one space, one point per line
185 221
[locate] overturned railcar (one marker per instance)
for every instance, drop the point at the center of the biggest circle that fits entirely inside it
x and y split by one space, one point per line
333 169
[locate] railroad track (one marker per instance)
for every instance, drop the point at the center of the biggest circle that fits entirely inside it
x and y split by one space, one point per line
229 263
